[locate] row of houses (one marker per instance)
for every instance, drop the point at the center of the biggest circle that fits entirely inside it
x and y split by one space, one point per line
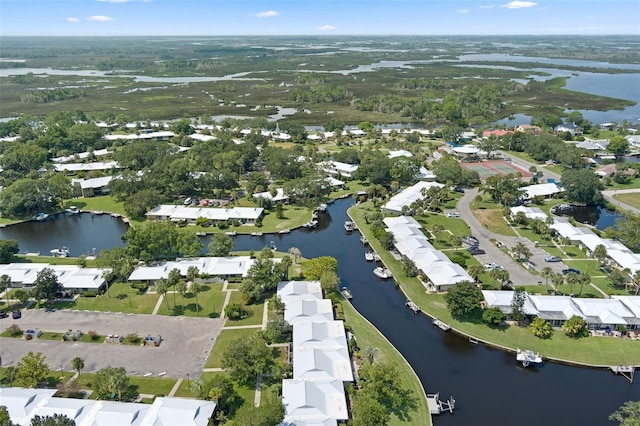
408 196
598 313
189 215
322 366
440 272
23 405
224 267
74 279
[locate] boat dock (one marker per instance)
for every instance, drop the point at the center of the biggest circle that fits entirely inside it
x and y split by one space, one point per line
527 357
413 306
346 293
624 370
441 325
436 406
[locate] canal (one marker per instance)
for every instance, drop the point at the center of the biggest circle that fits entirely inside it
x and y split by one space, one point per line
488 385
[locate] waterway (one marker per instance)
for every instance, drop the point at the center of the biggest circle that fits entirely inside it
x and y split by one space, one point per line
488 385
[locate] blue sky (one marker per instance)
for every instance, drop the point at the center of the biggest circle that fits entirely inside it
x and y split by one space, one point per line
317 17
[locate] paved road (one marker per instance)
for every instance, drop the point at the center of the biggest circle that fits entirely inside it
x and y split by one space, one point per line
184 350
518 275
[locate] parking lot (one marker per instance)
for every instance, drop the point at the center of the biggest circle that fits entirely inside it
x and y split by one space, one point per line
186 342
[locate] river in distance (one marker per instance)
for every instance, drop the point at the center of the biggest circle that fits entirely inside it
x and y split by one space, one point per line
489 386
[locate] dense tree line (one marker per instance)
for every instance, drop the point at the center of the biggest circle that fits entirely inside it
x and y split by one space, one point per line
54 95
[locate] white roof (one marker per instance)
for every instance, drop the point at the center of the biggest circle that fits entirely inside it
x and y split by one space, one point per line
313 402
409 195
603 311
280 195
554 307
336 166
333 181
307 290
310 363
502 299
81 155
530 212
21 402
143 136
76 167
201 137
400 153
465 149
632 303
297 311
180 212
542 189
447 273
217 266
320 335
70 276
99 182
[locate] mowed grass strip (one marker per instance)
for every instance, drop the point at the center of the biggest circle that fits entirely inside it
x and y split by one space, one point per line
121 297
493 220
255 311
223 341
210 300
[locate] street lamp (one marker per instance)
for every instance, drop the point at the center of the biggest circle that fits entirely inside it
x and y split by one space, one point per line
188 381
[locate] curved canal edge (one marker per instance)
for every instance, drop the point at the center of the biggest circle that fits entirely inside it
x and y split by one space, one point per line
391 354
390 262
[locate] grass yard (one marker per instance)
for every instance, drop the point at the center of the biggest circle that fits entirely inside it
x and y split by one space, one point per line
255 311
222 342
53 260
603 284
210 300
457 226
104 203
585 266
120 298
52 379
631 199
493 220
552 250
157 386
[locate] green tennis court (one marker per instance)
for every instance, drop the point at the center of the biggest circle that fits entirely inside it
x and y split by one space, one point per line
491 168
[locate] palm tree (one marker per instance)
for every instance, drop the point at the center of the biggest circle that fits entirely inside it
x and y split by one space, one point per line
77 363
557 279
162 286
181 288
547 273
297 254
572 278
436 229
369 353
172 280
5 283
455 241
582 280
522 250
475 271
286 263
600 253
195 289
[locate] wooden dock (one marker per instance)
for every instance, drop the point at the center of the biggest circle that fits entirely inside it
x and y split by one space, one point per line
441 325
624 370
411 305
436 406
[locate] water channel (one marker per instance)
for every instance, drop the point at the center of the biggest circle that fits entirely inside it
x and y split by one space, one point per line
489 386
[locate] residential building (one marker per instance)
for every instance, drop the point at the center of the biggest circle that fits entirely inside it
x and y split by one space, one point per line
190 215
74 279
407 196
91 187
225 267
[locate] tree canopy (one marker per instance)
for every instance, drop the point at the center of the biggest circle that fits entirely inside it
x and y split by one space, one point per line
155 240
32 370
463 299
46 285
313 269
112 383
582 185
221 245
247 358
7 249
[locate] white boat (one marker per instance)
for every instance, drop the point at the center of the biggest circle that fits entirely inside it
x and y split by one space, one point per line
363 240
322 207
368 256
284 231
73 210
441 325
346 293
272 245
311 224
231 233
41 217
349 226
60 252
376 257
527 357
413 306
383 273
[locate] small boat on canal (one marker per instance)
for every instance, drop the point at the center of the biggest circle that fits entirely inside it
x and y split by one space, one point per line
60 252
528 357
346 293
350 226
368 256
73 210
383 273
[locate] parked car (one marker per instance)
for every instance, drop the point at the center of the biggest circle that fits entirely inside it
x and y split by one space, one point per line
458 189
16 314
3 314
475 250
553 259
570 270
187 201
453 214
471 240
491 266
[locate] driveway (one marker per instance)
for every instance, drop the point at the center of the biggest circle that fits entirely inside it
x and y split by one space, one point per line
518 275
185 347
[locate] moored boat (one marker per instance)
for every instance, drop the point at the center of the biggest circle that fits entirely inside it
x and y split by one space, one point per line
73 210
368 256
383 273
350 226
346 293
60 252
527 357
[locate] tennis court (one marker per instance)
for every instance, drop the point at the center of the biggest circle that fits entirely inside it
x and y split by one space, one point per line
491 168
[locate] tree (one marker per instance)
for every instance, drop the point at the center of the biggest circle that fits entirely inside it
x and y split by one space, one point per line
618 145
172 281
517 304
572 279
541 328
78 364
575 327
409 267
582 185
329 282
628 414
221 245
220 389
368 411
369 353
312 269
296 253
118 261
475 271
455 242
5 283
8 248
162 287
600 253
181 288
386 240
4 417
616 278
521 250
155 240
247 358
269 413
381 381
112 383
195 288
463 299
21 295
493 316
32 370
547 273
46 285
55 420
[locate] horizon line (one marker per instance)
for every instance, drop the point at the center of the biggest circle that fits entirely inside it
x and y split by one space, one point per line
327 35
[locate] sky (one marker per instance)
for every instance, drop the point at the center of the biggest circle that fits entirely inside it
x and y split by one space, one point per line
317 17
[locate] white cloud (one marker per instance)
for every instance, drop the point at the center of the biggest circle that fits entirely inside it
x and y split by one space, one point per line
462 10
488 6
327 27
99 18
72 19
517 4
267 14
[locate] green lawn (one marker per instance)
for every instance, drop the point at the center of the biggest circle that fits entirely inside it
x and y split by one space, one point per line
210 301
585 266
52 379
493 220
104 203
631 199
222 342
120 298
53 260
255 311
457 226
590 350
157 386
603 284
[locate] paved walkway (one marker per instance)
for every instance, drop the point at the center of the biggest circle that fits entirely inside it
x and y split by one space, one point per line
175 387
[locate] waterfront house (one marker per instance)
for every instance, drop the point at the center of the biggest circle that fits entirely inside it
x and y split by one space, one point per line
313 402
190 215
407 197
91 187
74 279
336 168
224 267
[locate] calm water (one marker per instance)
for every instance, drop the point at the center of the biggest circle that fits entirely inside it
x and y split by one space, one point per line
489 386
599 217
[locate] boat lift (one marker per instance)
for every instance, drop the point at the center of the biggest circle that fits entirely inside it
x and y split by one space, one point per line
626 371
436 406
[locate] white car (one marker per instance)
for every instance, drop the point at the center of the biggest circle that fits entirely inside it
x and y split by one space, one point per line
491 266
453 214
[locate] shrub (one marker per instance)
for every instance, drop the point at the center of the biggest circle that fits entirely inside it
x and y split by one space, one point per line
234 311
541 328
575 327
493 316
89 293
14 330
93 334
132 338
